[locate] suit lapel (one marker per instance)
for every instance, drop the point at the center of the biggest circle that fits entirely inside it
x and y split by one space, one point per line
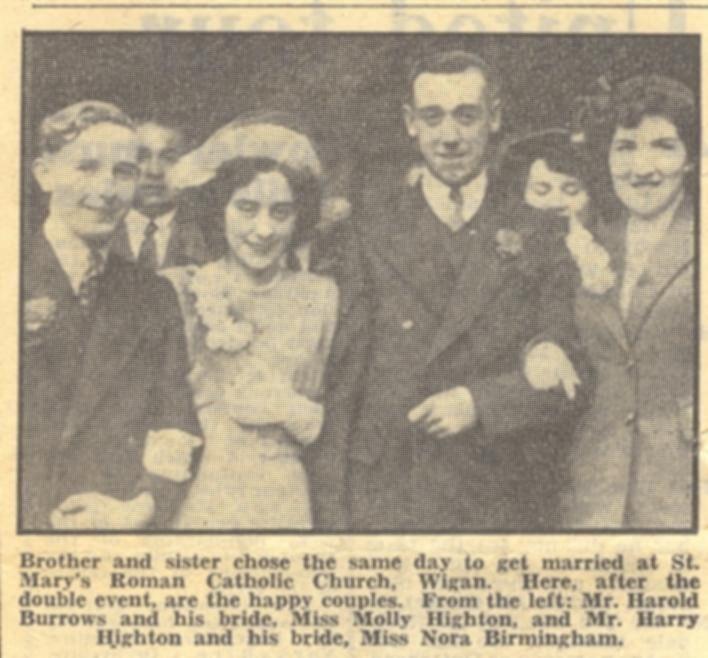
477 285
670 257
43 275
403 244
177 252
117 328
613 237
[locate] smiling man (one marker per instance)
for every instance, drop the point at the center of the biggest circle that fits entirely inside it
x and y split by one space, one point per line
471 341
104 361
158 232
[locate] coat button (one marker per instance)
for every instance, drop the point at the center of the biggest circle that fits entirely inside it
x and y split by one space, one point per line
407 324
631 417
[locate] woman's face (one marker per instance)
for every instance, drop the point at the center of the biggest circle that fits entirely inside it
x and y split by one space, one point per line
647 165
547 189
260 220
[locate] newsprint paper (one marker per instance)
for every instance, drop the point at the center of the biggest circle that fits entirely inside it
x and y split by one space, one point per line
353 329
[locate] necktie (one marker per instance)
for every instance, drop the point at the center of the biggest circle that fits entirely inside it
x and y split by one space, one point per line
457 219
88 289
148 249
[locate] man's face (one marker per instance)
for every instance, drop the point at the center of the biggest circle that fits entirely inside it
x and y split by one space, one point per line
92 180
160 148
451 118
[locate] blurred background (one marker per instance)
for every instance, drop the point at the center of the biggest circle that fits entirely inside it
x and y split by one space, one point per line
348 88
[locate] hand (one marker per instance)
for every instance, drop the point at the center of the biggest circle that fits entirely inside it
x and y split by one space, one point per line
259 395
546 366
95 511
38 313
307 380
685 413
168 454
445 414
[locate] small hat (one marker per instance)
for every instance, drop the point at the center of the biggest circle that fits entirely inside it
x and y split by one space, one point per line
267 135
273 135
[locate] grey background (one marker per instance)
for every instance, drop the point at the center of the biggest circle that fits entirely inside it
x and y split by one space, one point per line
348 88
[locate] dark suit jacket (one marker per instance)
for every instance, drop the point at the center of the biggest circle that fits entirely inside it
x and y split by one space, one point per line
186 245
91 394
422 342
326 460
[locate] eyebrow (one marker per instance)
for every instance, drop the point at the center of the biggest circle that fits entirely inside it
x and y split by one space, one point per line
457 108
125 163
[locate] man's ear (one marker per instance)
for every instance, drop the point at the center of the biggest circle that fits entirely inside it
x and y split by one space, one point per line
495 115
42 174
409 118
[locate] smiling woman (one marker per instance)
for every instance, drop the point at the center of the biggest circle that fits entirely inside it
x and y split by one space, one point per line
632 462
259 332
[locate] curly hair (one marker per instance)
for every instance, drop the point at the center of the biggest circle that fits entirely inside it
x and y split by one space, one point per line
63 127
555 147
240 172
655 95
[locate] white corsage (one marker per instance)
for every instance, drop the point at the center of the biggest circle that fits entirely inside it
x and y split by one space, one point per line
168 454
592 260
509 242
225 330
546 366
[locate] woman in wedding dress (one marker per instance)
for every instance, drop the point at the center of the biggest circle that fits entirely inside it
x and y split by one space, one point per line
259 332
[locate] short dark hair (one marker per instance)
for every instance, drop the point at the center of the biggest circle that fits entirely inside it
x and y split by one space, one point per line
239 172
656 95
554 147
454 61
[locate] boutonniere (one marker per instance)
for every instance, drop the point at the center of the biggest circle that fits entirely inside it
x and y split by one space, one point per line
227 330
39 313
509 242
592 260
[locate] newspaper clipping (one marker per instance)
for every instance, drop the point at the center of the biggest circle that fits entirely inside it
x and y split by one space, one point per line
365 329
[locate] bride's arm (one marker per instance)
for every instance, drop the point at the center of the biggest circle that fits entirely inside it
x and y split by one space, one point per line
306 414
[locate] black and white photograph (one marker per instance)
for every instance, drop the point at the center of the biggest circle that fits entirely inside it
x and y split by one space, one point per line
359 283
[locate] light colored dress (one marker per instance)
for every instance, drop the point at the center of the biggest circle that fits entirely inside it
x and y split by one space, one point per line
251 475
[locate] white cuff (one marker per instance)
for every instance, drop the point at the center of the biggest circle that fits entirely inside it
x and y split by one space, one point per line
304 419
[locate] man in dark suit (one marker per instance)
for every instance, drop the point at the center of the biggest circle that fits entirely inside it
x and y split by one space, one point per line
159 231
469 366
104 361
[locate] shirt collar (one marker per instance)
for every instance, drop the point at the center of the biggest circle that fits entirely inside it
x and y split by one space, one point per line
135 218
437 194
73 254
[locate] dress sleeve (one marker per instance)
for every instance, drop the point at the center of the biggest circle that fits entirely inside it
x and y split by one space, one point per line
329 319
306 416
